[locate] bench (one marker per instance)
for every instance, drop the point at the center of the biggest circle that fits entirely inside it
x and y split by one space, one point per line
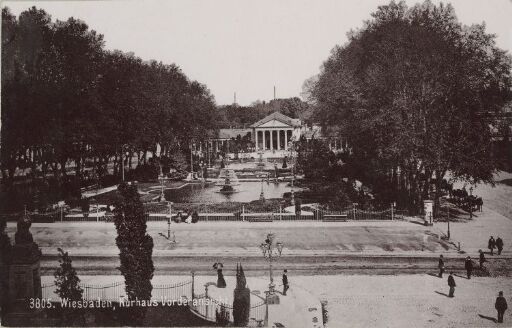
259 219
335 218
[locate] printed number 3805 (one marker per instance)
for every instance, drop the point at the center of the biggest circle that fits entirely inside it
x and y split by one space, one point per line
40 303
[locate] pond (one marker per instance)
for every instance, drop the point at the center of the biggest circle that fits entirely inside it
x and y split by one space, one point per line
246 192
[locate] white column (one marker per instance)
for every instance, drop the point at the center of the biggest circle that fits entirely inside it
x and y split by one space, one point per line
286 139
271 139
278 139
264 139
256 139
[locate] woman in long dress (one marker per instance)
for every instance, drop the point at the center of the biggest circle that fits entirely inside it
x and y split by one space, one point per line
221 283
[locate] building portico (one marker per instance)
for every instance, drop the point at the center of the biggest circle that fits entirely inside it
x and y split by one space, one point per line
275 132
272 139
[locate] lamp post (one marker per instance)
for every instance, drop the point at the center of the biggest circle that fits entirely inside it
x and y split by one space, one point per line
161 180
169 218
191 160
292 163
123 158
271 251
471 202
262 195
448 234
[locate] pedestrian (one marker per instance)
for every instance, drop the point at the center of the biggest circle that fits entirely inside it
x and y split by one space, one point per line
451 284
501 306
499 245
441 266
468 264
482 259
491 245
285 282
221 282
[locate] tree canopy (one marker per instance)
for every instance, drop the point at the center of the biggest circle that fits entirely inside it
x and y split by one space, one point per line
413 90
66 100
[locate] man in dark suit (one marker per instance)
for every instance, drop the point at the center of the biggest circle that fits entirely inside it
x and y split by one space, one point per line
440 265
501 306
451 283
482 259
491 245
285 282
499 245
468 265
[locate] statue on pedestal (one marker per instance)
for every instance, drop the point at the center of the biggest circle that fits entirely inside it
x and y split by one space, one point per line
24 281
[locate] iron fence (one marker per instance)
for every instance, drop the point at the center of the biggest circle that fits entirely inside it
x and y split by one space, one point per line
207 308
116 291
161 212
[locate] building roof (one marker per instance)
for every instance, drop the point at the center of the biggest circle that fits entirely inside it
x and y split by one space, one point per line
232 133
278 117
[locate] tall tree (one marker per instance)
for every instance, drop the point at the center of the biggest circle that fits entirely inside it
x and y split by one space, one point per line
412 90
241 299
135 248
68 288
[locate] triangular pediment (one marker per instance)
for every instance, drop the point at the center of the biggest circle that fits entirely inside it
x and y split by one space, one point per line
277 119
274 124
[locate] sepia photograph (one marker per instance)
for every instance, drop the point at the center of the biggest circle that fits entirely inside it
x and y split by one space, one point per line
256 163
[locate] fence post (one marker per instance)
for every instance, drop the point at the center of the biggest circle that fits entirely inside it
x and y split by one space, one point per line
193 276
392 205
354 210
206 297
206 211
280 213
243 212
265 323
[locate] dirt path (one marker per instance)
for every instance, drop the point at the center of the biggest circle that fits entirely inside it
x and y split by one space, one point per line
304 265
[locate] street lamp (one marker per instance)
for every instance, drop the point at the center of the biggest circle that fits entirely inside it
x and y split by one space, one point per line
122 158
271 251
471 202
292 163
161 179
262 195
169 217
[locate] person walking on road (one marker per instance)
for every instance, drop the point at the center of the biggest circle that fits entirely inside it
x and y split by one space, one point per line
441 266
285 282
482 259
499 245
501 306
468 265
221 282
491 245
451 284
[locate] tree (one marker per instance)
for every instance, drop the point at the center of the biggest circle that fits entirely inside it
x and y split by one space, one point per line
413 90
68 101
5 257
135 249
68 287
314 158
241 299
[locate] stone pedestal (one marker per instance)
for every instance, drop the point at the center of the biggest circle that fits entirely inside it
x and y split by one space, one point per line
24 282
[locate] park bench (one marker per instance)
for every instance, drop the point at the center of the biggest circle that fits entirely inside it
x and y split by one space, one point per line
334 217
260 219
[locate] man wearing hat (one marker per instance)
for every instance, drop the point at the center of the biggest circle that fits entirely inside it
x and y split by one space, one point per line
285 282
468 265
501 306
451 284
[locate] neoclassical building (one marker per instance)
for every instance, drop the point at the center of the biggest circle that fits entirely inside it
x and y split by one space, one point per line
272 136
